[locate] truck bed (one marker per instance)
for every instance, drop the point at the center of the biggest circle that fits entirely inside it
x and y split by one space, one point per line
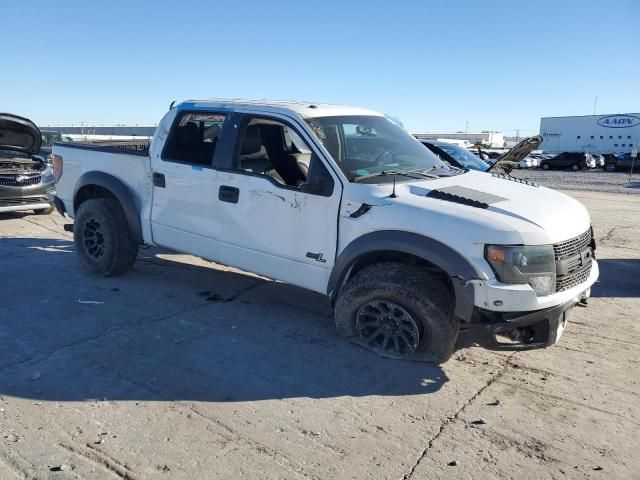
128 162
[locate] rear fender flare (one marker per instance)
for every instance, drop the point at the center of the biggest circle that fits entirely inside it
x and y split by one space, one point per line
120 191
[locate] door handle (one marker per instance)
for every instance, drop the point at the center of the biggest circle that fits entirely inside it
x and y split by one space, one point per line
158 179
228 194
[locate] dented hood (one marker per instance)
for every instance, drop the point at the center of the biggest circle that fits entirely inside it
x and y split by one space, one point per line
19 134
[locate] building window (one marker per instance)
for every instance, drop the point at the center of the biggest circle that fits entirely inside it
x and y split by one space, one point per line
615 144
624 145
591 137
628 137
578 136
619 137
610 137
601 137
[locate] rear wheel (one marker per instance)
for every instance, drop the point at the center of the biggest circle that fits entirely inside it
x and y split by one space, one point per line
610 167
575 167
545 166
102 238
398 311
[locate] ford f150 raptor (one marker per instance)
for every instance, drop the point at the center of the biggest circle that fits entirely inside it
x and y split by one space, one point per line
339 200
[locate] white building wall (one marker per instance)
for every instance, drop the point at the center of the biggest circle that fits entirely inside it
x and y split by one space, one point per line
491 139
590 133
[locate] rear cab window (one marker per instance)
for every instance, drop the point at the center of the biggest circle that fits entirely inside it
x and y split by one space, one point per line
194 137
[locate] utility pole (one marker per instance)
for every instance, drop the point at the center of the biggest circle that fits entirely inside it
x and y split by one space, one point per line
595 102
466 129
517 134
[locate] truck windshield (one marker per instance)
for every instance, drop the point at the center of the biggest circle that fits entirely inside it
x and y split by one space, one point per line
366 145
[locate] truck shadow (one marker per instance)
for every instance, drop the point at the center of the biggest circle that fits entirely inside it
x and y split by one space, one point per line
174 330
619 277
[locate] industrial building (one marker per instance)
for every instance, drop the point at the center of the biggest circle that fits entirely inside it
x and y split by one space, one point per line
616 133
488 139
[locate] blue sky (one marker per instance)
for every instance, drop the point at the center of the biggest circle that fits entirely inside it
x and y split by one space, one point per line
434 64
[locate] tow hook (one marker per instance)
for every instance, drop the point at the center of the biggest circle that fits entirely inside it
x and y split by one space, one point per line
68 227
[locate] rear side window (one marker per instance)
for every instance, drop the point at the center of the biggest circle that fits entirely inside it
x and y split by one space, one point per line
194 137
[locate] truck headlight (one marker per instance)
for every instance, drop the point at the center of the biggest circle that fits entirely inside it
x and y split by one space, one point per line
47 174
533 265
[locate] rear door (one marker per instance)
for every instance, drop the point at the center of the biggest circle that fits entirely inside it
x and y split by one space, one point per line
184 214
279 203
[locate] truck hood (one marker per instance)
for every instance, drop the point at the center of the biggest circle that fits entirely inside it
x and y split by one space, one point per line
522 211
19 134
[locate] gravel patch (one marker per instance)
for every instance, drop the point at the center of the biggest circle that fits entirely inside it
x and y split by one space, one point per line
591 180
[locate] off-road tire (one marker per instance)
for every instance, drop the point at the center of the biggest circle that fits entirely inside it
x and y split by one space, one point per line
44 211
424 295
118 249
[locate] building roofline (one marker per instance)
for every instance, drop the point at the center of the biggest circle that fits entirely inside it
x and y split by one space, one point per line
598 115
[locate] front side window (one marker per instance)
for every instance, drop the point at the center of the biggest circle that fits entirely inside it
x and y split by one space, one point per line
194 137
368 145
275 150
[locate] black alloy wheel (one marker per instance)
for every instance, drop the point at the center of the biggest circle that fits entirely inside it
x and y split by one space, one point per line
387 328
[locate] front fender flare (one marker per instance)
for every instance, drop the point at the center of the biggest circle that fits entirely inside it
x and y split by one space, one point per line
120 191
459 270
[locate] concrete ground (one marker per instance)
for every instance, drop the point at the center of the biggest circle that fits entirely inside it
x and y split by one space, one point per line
181 369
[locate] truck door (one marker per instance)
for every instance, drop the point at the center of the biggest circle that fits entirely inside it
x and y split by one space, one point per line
279 203
185 186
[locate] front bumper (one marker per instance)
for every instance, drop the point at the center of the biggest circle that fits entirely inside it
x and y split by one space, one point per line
12 200
499 297
16 198
520 330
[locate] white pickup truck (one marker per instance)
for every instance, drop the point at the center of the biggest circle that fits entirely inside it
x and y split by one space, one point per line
339 200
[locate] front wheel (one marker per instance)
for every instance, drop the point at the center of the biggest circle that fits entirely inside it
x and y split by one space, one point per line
398 311
545 166
575 167
102 237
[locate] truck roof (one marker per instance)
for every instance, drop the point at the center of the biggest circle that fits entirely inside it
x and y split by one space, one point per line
304 109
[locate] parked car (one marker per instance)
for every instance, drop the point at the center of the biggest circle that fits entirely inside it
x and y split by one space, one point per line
341 201
26 180
599 160
621 162
456 155
571 160
527 162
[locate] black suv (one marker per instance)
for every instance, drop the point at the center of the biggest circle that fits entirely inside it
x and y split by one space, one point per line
26 180
572 160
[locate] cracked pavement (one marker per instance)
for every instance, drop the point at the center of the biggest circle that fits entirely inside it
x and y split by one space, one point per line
194 370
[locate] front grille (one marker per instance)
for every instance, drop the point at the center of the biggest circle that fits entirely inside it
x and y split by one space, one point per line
573 278
573 246
577 265
19 179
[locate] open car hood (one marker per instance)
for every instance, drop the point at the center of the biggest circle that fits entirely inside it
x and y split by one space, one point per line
517 153
19 134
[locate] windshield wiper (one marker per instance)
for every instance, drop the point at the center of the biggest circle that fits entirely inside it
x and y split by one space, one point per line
403 173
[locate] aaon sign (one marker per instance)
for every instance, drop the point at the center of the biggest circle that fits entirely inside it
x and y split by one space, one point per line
619 121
